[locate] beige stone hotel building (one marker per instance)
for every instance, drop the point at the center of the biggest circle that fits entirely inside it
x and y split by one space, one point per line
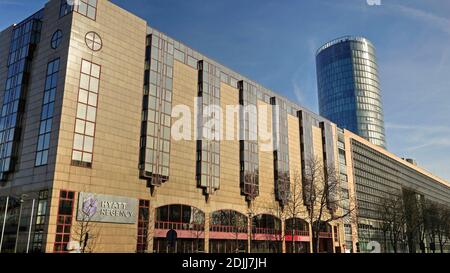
90 96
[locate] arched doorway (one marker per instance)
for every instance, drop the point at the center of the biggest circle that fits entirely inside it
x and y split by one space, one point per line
187 221
325 237
266 234
228 232
297 236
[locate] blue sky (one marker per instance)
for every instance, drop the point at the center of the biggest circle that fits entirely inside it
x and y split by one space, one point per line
274 43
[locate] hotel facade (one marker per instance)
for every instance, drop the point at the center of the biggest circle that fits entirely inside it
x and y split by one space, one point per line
102 135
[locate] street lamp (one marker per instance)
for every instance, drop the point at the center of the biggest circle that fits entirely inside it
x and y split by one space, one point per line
4 223
21 200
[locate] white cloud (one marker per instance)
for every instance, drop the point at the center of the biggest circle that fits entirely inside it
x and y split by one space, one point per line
298 92
423 136
428 17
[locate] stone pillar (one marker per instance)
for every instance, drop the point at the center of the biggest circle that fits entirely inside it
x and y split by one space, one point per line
206 233
151 228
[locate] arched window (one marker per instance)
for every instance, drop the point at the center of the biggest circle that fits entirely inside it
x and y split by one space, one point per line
56 39
323 226
297 236
297 225
187 221
324 229
179 217
228 221
266 224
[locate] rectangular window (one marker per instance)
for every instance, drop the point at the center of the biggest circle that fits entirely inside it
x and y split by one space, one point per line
65 8
45 128
86 8
40 221
143 224
64 220
83 143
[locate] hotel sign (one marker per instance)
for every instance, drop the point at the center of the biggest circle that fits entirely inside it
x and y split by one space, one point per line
106 208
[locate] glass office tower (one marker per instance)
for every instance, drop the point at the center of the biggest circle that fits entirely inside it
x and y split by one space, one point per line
349 87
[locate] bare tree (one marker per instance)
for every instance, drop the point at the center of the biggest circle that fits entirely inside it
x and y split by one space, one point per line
294 208
322 197
443 226
431 220
276 239
253 208
236 223
392 216
85 232
415 225
197 227
437 223
239 223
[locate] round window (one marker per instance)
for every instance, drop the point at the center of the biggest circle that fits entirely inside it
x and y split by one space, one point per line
56 39
93 41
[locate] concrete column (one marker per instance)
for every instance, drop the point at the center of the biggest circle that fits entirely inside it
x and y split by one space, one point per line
151 228
207 220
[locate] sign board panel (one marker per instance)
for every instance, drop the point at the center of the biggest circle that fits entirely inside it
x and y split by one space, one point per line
106 208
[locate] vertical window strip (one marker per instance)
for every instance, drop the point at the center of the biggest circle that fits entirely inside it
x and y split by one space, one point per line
64 220
143 225
25 37
281 150
156 112
208 147
328 161
48 103
83 144
306 151
249 160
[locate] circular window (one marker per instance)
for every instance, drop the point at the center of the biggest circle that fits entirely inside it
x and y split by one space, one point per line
56 39
93 41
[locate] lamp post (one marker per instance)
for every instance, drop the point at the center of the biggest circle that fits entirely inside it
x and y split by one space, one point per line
4 223
31 224
18 222
250 219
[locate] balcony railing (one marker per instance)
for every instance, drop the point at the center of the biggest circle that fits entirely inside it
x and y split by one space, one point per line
229 229
297 232
179 226
325 235
266 231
